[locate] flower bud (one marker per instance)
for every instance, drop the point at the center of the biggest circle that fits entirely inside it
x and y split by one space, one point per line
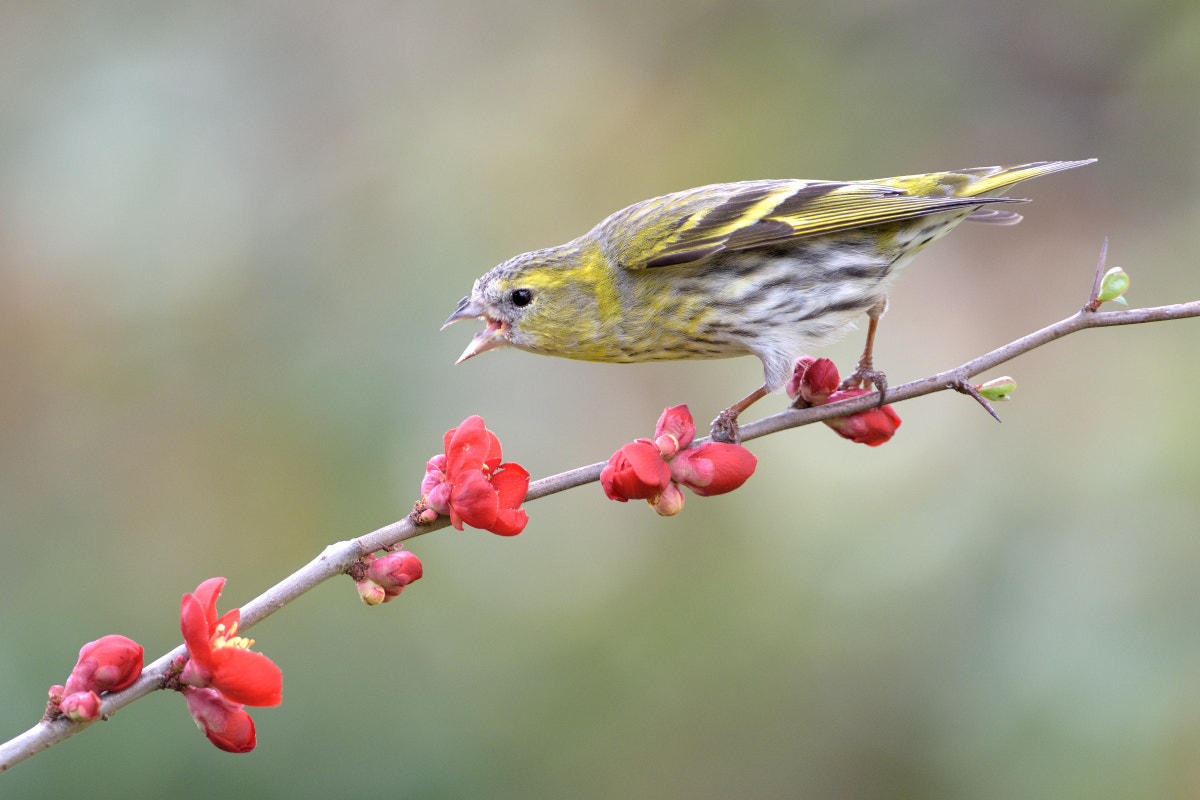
370 592
674 431
392 572
798 369
81 706
872 427
109 664
813 381
669 502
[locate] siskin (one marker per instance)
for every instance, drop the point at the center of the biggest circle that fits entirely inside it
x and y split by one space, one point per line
771 268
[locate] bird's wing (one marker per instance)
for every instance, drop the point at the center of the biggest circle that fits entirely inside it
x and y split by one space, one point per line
688 226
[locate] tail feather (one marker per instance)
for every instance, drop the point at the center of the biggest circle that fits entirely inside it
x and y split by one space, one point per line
976 182
986 180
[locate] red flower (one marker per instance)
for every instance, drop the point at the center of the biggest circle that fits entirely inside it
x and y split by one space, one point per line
815 382
653 470
470 485
218 657
635 472
872 427
225 723
713 468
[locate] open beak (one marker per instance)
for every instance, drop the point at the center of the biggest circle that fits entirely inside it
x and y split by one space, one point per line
494 335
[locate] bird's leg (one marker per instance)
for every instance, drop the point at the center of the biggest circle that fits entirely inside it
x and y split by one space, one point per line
865 375
725 427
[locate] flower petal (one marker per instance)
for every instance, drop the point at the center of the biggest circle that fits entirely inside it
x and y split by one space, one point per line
226 724
713 468
247 677
467 447
474 500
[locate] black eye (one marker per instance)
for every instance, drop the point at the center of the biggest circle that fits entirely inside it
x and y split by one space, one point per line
521 297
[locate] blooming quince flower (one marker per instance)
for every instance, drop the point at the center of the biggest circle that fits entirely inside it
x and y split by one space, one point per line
469 483
218 657
225 723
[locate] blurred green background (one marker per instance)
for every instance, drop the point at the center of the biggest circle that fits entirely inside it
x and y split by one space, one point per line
229 233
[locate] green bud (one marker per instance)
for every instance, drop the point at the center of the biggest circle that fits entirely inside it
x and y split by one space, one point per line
1113 285
998 388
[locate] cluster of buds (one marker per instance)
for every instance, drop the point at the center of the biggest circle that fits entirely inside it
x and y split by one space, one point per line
469 484
384 577
654 469
815 382
109 664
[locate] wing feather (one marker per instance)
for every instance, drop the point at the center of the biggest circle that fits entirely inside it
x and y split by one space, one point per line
762 213
687 226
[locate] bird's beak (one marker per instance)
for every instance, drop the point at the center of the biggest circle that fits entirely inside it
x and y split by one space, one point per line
494 335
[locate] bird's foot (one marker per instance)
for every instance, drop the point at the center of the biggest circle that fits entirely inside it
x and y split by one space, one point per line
865 377
725 427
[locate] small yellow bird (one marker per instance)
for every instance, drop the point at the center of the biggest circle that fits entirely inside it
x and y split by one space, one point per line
771 268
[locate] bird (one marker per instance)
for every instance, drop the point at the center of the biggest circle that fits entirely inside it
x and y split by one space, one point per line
770 268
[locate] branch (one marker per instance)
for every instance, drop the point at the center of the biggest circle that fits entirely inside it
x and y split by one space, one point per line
339 557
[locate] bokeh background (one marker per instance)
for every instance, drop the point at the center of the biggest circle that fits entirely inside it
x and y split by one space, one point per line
228 236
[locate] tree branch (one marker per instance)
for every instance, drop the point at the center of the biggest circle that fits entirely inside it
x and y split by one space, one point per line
338 557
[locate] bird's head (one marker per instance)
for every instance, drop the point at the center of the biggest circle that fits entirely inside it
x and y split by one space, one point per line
523 303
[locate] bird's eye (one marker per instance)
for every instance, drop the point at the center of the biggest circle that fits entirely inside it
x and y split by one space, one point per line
521 297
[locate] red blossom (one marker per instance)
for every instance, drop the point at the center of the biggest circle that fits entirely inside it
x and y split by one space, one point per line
218 657
654 470
713 468
225 723
469 483
872 427
635 472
